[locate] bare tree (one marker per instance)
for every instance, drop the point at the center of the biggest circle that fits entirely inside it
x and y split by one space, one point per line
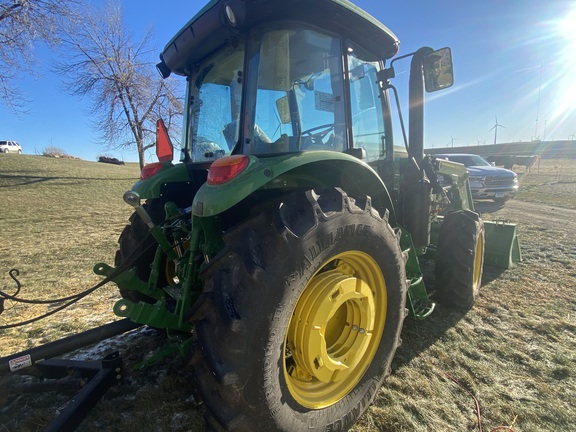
102 61
22 24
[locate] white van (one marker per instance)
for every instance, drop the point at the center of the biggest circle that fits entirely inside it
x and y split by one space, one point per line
10 147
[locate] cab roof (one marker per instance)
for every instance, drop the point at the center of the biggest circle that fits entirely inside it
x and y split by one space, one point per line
210 28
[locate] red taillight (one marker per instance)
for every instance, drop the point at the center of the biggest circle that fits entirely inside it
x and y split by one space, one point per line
164 147
226 168
150 169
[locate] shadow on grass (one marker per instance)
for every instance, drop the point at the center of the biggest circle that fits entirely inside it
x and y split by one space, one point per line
419 334
488 207
24 180
490 274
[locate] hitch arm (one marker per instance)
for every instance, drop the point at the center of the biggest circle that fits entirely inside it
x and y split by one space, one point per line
21 360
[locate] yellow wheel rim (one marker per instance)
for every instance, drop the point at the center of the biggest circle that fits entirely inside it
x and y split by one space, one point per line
335 330
478 261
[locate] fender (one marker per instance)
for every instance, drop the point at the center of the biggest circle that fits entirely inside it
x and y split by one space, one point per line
308 169
151 187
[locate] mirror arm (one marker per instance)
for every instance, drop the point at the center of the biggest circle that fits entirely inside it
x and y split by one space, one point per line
400 117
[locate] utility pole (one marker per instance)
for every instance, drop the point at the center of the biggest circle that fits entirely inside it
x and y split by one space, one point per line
538 103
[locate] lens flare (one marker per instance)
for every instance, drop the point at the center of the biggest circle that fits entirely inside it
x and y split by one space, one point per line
564 70
566 28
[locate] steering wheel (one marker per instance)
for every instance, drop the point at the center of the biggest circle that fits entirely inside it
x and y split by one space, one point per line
318 137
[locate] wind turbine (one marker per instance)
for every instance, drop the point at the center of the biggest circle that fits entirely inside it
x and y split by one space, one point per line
495 128
452 139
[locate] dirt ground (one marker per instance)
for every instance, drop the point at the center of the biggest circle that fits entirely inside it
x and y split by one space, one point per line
530 214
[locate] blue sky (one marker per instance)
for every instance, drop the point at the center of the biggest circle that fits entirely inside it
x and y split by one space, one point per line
514 59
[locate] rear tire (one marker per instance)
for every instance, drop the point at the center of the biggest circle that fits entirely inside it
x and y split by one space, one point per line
317 257
459 259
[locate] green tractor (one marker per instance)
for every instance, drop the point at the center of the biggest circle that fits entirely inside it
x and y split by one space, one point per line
286 245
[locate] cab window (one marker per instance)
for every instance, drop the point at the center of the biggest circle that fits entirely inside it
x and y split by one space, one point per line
299 96
365 104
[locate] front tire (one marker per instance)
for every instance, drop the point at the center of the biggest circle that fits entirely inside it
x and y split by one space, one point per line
460 259
304 308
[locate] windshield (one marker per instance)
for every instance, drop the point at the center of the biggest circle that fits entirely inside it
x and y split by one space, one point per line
215 92
295 98
468 160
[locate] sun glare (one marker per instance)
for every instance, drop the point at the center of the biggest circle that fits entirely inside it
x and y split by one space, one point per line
563 109
566 28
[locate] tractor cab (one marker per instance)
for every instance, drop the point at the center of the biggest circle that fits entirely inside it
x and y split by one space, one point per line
276 81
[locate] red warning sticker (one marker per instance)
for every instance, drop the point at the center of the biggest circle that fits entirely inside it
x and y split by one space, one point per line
20 362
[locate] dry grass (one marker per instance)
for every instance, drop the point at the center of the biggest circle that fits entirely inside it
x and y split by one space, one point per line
513 352
551 181
59 217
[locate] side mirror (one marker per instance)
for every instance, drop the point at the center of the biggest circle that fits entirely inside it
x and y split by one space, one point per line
438 70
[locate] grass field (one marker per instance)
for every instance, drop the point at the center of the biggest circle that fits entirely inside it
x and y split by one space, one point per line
59 217
551 181
508 363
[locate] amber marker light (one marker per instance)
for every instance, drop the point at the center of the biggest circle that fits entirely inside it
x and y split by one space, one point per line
226 168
